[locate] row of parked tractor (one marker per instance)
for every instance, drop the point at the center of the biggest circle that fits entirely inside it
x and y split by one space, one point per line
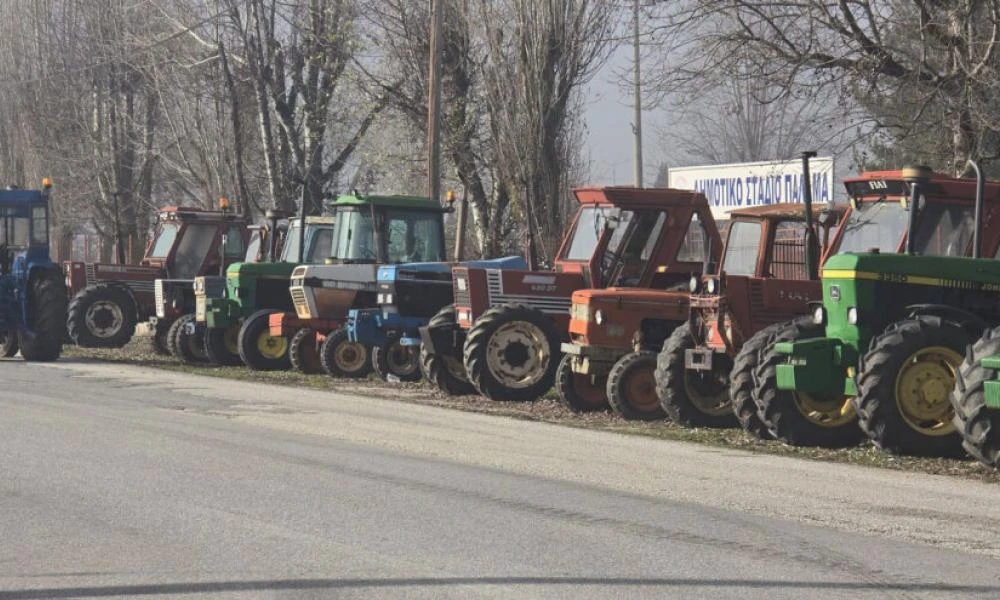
813 325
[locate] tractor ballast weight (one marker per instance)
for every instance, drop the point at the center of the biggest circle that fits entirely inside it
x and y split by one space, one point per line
508 325
407 296
109 300
893 328
32 292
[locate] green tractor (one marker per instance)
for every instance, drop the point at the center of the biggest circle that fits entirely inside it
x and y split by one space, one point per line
253 290
882 350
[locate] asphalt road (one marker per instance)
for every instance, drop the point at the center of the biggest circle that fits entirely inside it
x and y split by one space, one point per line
118 481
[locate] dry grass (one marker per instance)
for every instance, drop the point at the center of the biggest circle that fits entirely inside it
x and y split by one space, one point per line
548 410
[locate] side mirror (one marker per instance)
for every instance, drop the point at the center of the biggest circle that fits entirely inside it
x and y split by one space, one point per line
612 218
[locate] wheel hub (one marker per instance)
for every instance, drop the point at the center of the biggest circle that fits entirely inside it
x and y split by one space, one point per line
825 412
923 390
400 359
708 392
517 354
641 390
104 318
350 356
271 347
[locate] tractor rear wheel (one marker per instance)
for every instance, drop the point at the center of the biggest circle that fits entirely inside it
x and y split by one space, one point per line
579 392
259 350
632 387
8 344
393 360
800 418
221 347
511 353
978 425
341 357
692 398
741 383
303 352
42 340
102 316
187 347
161 337
904 387
446 373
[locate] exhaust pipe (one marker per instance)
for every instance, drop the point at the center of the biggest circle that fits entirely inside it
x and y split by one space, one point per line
812 245
977 232
916 176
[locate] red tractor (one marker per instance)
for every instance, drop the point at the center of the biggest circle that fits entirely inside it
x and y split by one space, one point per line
108 300
503 334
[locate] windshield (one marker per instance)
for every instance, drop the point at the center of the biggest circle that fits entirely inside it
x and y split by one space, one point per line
320 240
290 249
588 231
873 225
414 236
16 227
353 235
742 248
164 240
944 230
192 249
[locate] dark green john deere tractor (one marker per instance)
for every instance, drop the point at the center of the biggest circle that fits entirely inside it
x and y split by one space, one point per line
250 292
892 330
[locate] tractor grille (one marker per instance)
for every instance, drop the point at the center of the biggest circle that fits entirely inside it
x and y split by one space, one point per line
494 283
299 301
158 297
461 288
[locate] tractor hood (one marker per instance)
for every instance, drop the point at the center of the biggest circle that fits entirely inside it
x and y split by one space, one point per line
441 271
625 296
253 269
943 271
329 291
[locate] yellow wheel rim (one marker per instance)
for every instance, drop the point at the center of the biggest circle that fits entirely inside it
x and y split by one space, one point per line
231 338
271 347
825 412
923 390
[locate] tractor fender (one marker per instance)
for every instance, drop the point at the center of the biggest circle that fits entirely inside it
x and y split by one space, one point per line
972 322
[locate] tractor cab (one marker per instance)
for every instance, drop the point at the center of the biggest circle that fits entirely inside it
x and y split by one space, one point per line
24 228
189 242
387 230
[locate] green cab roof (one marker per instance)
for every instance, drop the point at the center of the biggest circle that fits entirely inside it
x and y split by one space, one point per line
420 202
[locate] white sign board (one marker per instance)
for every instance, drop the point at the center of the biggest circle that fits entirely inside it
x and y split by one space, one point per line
740 185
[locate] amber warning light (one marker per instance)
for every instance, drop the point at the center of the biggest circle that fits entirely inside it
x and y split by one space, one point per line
46 183
224 203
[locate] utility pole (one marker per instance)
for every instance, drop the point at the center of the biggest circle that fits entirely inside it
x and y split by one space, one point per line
434 105
637 118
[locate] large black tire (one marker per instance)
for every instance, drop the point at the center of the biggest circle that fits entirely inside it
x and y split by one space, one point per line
340 357
511 353
741 383
692 398
47 297
795 418
222 345
393 361
161 337
259 350
188 348
303 352
978 425
446 373
632 387
102 315
904 386
8 344
580 393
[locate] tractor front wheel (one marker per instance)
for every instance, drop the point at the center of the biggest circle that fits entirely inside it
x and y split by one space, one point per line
42 340
8 344
741 383
187 347
161 337
511 353
799 418
259 350
978 425
692 398
102 316
221 346
392 360
904 387
341 357
303 352
446 373
579 392
632 387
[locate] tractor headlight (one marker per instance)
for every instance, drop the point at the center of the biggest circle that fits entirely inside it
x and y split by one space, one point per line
388 299
852 315
379 298
461 284
693 284
819 315
711 285
599 317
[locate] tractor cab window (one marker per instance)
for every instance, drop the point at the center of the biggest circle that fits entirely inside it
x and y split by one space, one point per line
253 248
164 240
319 244
16 227
742 248
234 247
873 225
788 251
631 244
944 229
414 236
590 225
290 249
694 246
353 236
192 249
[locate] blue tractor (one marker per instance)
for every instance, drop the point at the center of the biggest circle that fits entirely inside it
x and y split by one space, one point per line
33 297
408 295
